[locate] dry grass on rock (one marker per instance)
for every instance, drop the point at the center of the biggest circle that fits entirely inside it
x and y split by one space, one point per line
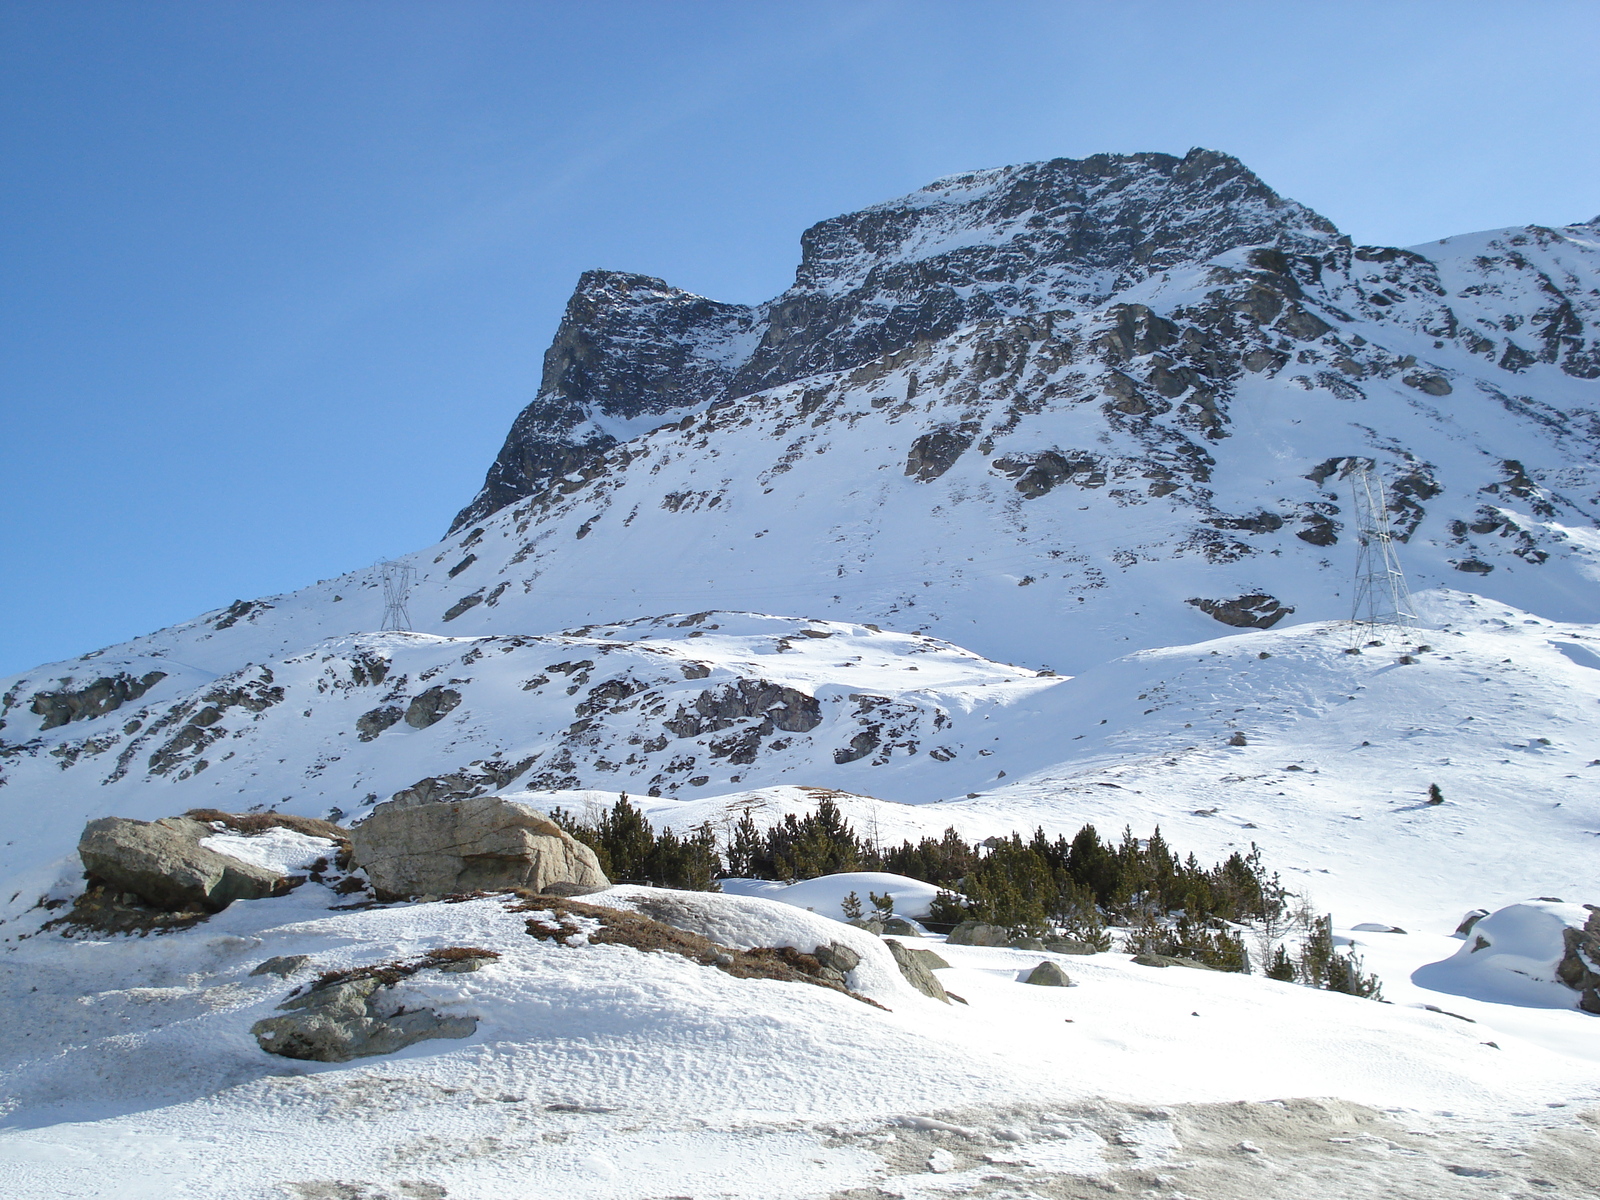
785 964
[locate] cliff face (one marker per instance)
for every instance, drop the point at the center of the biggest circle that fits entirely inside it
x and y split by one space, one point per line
629 350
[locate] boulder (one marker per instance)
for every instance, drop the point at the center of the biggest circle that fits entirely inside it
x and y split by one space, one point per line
1256 611
836 956
1048 974
283 965
916 971
976 933
163 863
481 843
1167 960
927 958
431 707
900 927
1070 946
353 1019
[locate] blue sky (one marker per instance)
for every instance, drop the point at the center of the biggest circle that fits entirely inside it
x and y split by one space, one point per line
277 276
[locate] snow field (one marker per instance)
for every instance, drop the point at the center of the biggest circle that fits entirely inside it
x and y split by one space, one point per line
659 1069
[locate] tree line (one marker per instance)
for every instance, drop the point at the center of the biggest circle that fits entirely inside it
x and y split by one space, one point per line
1078 887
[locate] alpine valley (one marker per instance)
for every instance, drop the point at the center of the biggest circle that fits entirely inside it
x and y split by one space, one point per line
1028 505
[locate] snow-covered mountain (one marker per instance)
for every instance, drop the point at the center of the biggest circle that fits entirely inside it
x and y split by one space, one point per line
1045 470
1055 414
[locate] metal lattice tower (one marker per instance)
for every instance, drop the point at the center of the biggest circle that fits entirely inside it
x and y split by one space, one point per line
397 578
1382 598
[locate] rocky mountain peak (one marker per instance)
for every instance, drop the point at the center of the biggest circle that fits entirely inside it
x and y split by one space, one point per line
633 352
1122 214
630 348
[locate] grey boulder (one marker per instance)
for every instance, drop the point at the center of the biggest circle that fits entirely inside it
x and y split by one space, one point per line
837 956
927 958
916 970
1048 974
1167 960
900 927
163 863
1070 946
976 933
354 1019
481 843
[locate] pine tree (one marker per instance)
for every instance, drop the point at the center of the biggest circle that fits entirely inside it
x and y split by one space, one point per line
745 849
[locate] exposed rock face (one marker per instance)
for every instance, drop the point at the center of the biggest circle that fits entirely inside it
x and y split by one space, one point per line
976 933
916 971
354 1019
370 724
1579 967
936 451
431 707
163 863
785 707
93 700
1245 612
477 844
282 965
629 347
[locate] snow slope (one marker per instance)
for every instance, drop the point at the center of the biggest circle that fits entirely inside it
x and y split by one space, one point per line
598 1071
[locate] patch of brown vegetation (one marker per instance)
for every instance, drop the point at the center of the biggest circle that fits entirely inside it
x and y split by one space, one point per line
390 973
618 928
101 910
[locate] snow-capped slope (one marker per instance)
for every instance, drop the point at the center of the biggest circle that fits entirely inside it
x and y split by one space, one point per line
1045 485
700 719
605 1073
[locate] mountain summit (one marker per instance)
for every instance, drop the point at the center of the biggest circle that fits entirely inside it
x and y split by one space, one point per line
1007 242
1035 419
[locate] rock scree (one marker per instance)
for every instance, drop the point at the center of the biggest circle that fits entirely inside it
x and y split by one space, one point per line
481 843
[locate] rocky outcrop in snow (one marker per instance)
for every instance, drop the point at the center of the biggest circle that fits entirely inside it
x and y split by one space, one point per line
1579 967
484 843
360 1013
163 863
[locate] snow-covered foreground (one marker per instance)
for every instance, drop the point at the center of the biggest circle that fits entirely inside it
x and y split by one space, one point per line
601 1071
128 1069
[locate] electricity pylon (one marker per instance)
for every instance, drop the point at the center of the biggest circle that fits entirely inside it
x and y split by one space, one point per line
397 579
1381 595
